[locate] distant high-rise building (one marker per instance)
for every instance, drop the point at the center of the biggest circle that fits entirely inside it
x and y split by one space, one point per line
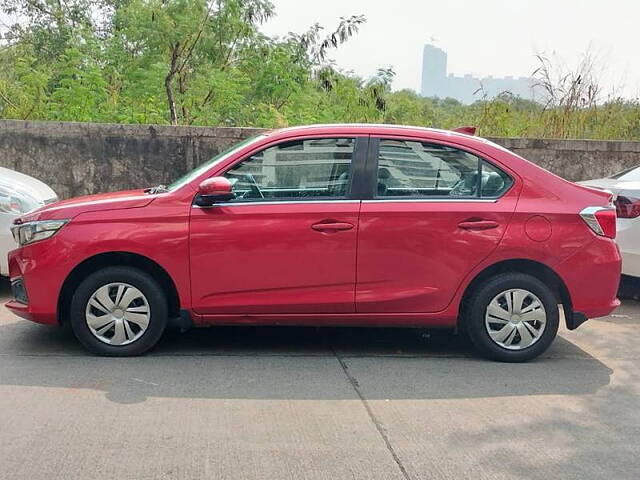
434 71
436 82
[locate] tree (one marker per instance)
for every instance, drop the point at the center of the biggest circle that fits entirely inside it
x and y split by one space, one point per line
206 62
191 37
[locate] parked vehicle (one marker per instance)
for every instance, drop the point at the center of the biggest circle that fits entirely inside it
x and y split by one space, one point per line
625 187
19 193
328 225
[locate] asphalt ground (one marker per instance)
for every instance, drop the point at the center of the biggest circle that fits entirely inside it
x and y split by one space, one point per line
306 403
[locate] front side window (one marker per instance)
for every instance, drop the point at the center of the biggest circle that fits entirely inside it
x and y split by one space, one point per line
414 169
299 170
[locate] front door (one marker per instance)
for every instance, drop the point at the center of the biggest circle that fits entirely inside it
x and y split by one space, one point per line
287 243
437 211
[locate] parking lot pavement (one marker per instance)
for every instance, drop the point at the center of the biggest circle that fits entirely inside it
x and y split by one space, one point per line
303 403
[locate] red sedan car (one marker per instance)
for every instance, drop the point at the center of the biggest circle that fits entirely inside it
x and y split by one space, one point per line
328 225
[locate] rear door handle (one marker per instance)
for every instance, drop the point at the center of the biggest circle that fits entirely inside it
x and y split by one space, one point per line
478 225
332 226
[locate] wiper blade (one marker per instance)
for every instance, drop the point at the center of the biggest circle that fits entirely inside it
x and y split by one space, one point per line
157 189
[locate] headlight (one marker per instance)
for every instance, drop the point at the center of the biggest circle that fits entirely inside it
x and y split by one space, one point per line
31 232
15 202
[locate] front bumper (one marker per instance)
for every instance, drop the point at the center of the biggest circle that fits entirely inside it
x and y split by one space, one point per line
39 270
6 244
19 291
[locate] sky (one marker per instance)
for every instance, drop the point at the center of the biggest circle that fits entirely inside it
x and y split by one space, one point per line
484 37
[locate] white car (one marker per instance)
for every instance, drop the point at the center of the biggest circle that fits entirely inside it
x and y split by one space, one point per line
626 189
19 193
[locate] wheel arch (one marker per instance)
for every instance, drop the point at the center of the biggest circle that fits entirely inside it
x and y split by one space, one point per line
109 259
536 269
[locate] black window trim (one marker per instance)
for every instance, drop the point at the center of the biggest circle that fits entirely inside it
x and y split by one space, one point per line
358 159
371 173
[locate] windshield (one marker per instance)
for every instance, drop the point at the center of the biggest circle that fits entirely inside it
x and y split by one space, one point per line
196 172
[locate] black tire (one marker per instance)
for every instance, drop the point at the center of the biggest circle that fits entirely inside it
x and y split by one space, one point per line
475 310
153 293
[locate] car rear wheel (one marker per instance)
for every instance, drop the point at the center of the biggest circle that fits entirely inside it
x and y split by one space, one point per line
513 317
118 311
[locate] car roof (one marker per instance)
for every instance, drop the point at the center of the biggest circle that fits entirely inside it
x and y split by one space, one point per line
424 133
372 129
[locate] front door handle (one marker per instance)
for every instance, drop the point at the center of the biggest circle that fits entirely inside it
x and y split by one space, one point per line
478 225
332 226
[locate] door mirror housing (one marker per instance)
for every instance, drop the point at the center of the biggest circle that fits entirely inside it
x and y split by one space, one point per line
213 190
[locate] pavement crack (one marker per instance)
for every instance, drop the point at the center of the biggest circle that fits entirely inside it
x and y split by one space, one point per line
377 423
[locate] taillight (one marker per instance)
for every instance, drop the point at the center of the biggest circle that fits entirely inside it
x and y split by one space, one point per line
627 207
602 220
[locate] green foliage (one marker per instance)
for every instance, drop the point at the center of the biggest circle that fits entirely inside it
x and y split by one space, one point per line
508 116
205 62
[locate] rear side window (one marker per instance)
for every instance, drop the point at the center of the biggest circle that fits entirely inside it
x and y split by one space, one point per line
412 169
494 181
299 170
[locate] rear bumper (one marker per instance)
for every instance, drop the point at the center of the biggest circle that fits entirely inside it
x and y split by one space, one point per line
630 263
627 238
574 319
592 277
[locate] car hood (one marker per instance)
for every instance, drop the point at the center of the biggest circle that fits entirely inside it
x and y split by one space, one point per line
67 209
21 183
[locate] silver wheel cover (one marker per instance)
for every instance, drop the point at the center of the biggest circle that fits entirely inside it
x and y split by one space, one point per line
515 319
117 314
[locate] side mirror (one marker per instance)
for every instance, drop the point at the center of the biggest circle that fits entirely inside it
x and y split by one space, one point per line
214 189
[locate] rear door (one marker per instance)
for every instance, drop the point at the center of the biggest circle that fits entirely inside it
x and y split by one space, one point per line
434 212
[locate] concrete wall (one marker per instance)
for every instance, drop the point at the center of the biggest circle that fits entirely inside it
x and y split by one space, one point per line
576 159
81 158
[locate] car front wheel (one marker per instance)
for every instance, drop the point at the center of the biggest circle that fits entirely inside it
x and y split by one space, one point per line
513 317
118 311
